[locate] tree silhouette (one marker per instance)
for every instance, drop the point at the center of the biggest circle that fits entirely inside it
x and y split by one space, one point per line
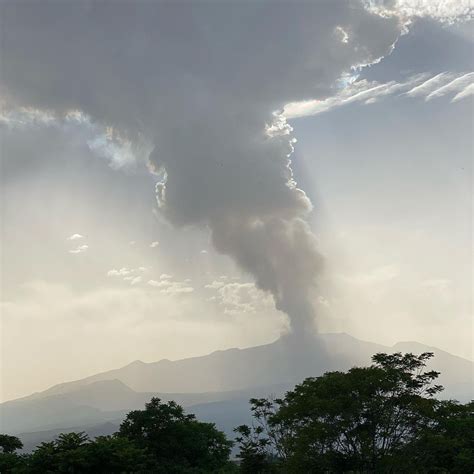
366 420
9 444
75 453
177 441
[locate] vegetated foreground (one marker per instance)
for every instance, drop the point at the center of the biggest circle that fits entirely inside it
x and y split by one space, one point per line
376 419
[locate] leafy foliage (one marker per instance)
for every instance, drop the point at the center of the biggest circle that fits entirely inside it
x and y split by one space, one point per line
369 419
449 445
10 461
159 439
9 444
74 452
177 441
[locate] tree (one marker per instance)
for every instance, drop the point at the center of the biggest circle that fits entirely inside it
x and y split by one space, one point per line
74 452
10 461
177 442
61 455
360 420
159 439
112 454
262 448
448 445
9 444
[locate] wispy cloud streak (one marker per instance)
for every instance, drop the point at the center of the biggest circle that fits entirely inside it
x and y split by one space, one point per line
370 92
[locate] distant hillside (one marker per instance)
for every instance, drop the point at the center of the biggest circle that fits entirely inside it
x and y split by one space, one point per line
31 440
98 403
286 361
216 387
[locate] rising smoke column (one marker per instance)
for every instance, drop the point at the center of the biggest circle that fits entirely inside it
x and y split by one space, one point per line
252 206
202 82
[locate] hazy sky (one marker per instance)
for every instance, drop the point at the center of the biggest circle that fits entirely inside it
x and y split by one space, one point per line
106 108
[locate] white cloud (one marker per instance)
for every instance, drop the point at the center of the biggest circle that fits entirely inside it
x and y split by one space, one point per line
104 141
122 272
430 84
154 244
165 276
75 237
467 92
358 91
456 85
342 34
176 288
445 11
160 283
132 275
120 151
80 249
136 280
215 285
239 298
23 117
169 287
367 92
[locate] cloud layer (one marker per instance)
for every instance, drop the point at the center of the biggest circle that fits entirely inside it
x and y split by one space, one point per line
201 82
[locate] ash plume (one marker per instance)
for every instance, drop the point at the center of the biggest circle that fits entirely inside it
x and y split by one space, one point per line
202 81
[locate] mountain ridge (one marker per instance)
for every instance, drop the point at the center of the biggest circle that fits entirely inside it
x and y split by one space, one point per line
125 371
216 386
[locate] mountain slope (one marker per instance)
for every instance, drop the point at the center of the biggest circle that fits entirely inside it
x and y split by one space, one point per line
217 386
101 402
286 361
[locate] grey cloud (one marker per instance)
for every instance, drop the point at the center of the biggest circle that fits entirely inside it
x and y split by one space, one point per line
201 81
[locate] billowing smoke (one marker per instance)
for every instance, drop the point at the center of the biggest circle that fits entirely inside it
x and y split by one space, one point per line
203 81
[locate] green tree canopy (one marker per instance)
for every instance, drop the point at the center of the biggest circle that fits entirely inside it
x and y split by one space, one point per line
9 444
75 453
448 446
177 441
365 420
159 439
9 459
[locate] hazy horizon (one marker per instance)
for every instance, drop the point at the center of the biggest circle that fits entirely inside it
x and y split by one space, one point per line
173 173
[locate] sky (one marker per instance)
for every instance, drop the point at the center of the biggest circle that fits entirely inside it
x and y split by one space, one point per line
179 178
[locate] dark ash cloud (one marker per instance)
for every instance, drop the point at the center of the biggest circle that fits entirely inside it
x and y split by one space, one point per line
201 81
